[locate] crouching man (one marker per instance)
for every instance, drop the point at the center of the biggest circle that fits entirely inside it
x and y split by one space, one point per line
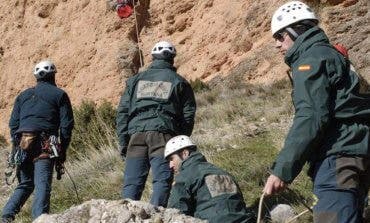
201 189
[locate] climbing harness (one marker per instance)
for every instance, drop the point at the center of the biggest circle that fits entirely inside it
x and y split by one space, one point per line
54 147
50 147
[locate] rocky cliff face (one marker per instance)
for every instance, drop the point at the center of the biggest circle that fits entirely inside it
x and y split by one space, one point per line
95 51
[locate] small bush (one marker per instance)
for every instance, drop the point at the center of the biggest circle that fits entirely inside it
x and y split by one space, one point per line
198 85
94 127
3 141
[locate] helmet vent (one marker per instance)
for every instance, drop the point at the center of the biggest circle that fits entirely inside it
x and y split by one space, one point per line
44 68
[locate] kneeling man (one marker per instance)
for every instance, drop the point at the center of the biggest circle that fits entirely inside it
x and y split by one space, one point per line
201 189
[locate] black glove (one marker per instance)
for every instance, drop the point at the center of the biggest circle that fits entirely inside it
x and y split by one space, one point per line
123 151
62 156
59 168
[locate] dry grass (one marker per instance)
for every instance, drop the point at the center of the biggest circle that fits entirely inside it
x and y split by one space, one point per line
240 130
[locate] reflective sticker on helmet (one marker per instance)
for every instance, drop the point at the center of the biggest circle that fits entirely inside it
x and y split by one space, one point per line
220 184
305 67
156 89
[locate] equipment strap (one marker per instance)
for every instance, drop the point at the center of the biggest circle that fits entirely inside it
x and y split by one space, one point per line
9 180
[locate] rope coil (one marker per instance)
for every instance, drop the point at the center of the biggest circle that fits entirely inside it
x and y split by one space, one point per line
308 208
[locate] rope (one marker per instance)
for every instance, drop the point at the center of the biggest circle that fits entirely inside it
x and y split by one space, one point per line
74 185
260 208
297 216
137 33
303 203
308 208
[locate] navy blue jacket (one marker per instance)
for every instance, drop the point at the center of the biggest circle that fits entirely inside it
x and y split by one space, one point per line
43 108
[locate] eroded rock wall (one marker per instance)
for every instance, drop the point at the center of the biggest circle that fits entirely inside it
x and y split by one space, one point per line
95 51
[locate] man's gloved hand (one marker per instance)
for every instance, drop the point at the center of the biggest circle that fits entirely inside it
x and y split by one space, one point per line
59 168
62 156
123 151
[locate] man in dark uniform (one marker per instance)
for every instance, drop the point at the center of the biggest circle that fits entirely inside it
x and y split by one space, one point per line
40 116
330 129
156 105
201 189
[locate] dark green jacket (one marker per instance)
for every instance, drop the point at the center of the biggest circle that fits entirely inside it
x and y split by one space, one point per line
331 114
157 99
205 191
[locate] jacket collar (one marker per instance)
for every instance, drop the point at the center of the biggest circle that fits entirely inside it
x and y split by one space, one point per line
161 64
194 158
46 81
304 42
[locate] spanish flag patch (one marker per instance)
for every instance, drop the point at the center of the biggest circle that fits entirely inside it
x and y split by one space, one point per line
305 67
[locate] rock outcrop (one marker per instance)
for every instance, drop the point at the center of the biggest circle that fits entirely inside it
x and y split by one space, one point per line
122 211
95 51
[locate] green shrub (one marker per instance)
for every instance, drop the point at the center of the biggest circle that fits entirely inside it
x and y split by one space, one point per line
94 127
198 85
3 141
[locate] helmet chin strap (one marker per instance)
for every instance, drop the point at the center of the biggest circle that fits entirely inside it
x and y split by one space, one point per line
306 23
292 32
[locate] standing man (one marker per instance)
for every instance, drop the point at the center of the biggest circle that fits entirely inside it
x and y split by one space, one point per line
201 189
40 115
330 129
156 105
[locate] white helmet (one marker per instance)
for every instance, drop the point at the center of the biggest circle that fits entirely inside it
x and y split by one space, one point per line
163 46
177 143
43 69
290 13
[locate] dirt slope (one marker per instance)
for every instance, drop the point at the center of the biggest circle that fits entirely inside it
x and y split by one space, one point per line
95 51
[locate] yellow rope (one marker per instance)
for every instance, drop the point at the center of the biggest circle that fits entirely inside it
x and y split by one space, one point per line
260 208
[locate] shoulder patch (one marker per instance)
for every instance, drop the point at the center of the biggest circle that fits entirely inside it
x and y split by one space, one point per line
305 67
220 184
